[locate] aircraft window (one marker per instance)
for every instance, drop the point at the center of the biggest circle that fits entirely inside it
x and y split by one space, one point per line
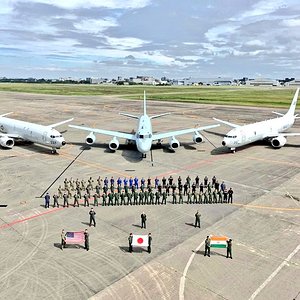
231 136
141 136
52 136
145 136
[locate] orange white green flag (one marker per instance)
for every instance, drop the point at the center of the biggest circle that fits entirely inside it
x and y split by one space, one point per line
218 241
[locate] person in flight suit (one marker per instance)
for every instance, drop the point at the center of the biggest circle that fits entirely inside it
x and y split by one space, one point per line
146 197
151 196
157 196
47 200
229 248
92 217
197 219
149 242
76 198
129 197
86 240
117 197
66 201
110 199
135 198
180 198
164 198
104 197
96 199
141 198
130 238
143 220
86 200
55 200
174 198
189 198
207 247
122 196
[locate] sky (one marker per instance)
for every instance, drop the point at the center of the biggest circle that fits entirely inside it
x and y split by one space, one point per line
171 38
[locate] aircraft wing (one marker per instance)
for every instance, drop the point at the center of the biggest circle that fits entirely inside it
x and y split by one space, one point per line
159 136
290 134
118 134
60 123
227 123
13 136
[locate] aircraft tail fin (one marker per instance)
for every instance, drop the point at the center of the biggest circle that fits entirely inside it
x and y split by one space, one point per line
145 106
277 113
60 123
5 114
292 108
227 123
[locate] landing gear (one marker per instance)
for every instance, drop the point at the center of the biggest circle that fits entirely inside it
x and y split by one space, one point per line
232 150
144 155
53 151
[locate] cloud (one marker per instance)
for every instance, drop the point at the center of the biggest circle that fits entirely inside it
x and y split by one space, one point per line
95 26
291 22
125 42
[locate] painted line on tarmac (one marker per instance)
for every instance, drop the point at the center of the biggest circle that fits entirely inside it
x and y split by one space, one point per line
7 225
183 277
266 207
263 285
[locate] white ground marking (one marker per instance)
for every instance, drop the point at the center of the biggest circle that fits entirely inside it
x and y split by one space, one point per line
182 279
262 286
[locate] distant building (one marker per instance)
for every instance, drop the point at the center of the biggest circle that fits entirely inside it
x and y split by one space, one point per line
262 82
204 81
295 82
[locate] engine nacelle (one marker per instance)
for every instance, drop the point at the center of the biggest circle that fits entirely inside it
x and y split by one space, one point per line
174 144
278 142
6 142
90 139
114 144
197 138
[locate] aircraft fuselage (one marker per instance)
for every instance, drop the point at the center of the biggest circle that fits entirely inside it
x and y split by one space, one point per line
39 134
144 134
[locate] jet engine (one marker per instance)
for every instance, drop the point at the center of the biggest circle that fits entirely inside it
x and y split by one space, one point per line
6 142
114 144
174 144
90 139
278 142
197 138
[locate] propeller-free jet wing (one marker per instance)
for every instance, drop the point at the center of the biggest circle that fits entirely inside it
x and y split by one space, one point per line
11 130
272 130
144 135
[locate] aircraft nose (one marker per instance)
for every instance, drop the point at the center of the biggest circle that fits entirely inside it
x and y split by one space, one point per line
223 143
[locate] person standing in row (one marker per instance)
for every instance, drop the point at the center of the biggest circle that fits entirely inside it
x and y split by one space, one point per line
55 200
92 214
47 200
230 193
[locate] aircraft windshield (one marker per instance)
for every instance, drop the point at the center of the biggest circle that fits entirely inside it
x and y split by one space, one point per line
231 136
145 136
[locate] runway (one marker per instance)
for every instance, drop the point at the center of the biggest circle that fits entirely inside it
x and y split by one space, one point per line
263 221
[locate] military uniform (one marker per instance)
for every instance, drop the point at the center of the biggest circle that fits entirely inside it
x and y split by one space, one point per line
122 196
86 200
146 197
197 219
164 198
117 197
129 197
63 240
174 201
151 196
229 248
157 196
86 241
92 217
141 198
189 198
135 198
104 196
207 247
149 242
96 199
76 200
230 193
110 199
180 198
66 202
55 200
143 220
130 238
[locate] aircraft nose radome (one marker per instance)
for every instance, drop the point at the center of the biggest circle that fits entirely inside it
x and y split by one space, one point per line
223 143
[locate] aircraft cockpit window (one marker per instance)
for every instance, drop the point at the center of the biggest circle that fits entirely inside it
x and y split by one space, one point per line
52 136
145 136
141 136
231 136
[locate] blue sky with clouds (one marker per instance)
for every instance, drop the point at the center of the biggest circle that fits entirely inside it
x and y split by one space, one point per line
173 38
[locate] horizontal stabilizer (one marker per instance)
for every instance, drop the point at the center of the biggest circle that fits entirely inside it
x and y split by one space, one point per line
6 114
129 115
277 113
160 115
227 123
60 123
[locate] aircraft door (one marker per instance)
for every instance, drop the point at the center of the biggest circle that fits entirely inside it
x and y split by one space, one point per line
44 137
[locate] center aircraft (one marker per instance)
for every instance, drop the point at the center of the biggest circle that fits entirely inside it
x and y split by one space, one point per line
144 135
271 130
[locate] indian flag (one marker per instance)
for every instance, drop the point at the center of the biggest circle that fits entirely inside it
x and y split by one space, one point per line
140 240
218 241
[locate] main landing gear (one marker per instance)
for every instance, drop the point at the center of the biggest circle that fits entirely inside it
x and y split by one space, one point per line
53 151
232 150
144 155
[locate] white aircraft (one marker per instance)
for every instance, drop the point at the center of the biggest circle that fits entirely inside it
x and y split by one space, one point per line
11 130
271 130
144 135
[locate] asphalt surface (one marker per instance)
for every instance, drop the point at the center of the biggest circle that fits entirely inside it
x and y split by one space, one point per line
263 221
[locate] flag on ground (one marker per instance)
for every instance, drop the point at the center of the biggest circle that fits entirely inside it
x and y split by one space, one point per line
140 240
218 241
75 237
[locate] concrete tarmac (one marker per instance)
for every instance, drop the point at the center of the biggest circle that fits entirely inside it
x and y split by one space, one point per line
263 221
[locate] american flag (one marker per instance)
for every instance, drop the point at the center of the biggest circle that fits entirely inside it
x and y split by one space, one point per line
74 237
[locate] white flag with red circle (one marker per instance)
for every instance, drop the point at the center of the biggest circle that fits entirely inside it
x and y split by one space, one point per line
140 240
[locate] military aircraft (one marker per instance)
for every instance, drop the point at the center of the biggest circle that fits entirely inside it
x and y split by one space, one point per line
144 135
11 130
271 130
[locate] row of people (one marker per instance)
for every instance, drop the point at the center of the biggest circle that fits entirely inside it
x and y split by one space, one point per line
144 198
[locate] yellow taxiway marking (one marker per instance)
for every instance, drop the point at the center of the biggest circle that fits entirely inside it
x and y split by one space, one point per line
266 207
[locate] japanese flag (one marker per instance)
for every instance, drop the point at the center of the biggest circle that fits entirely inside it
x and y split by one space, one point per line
140 240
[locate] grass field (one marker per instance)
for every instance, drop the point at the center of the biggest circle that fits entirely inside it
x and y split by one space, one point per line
246 96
